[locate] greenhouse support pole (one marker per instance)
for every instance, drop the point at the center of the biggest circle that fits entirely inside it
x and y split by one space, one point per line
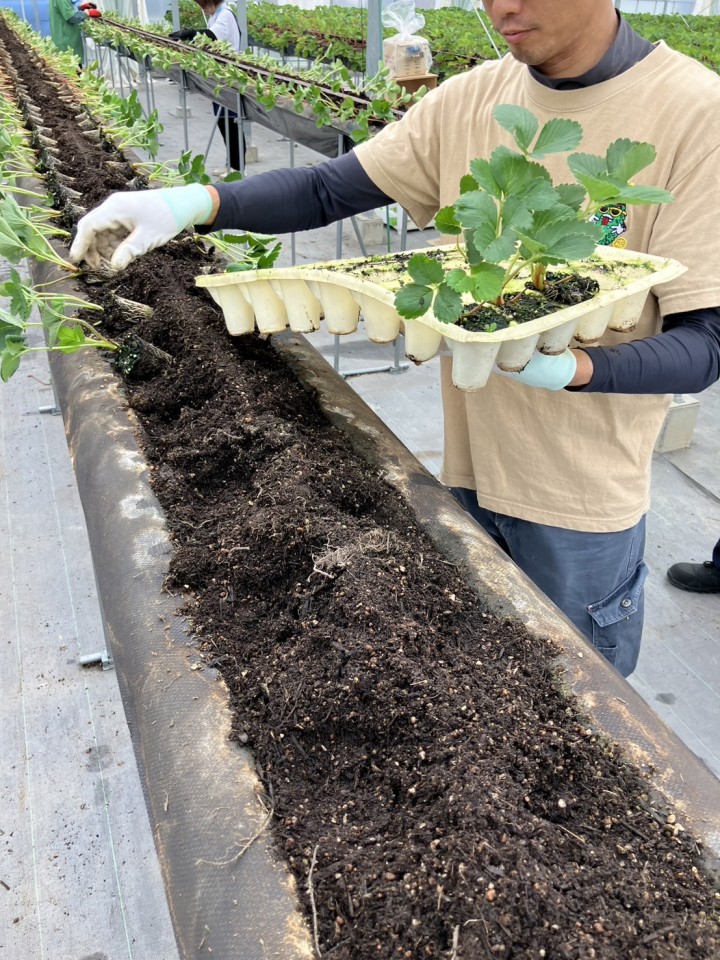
240 131
245 126
182 109
373 49
175 14
293 251
241 17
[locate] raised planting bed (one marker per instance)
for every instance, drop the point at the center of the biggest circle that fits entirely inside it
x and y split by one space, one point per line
340 291
416 772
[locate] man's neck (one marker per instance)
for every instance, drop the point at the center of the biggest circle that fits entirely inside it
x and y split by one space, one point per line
627 49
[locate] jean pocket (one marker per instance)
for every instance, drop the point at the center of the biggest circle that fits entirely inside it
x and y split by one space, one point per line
617 621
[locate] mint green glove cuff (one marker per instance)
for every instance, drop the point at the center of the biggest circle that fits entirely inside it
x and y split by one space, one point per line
550 373
189 205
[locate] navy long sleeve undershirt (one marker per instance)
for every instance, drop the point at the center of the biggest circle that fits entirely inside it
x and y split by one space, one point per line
684 358
298 198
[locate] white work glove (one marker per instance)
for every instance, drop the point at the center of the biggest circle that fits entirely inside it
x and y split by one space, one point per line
551 373
150 217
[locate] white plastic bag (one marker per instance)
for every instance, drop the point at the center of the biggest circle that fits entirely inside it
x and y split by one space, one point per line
406 54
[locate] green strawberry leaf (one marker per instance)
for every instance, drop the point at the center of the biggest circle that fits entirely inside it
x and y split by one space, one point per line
447 305
557 136
446 222
518 121
625 158
413 300
424 270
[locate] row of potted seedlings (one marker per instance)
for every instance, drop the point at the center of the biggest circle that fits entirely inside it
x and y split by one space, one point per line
30 224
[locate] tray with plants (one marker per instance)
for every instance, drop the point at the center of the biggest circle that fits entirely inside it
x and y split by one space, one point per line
526 273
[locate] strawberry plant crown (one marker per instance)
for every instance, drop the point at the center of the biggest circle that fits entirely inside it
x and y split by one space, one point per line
510 216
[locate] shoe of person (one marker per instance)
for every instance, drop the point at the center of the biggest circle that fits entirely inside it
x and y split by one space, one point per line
221 172
696 577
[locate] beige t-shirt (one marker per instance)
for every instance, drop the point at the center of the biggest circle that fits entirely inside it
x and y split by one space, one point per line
570 459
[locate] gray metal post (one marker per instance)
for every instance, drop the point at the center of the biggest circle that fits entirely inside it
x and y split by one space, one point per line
183 107
403 229
226 118
240 127
112 69
212 136
120 78
128 74
358 236
241 14
292 235
182 99
151 85
339 227
374 47
144 77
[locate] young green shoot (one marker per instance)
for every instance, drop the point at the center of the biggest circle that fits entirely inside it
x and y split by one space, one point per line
23 234
246 251
62 333
510 218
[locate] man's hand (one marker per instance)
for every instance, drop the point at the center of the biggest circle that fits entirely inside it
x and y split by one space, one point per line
554 373
127 225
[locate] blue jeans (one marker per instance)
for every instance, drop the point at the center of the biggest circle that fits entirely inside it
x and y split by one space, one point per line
596 579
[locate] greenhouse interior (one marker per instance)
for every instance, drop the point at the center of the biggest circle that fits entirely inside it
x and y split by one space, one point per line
290 700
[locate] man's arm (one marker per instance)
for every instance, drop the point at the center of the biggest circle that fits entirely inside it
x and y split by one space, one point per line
299 198
684 358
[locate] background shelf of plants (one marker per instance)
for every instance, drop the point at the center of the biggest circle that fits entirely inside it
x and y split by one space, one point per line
456 38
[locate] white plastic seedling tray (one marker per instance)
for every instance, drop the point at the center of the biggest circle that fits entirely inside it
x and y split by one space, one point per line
340 291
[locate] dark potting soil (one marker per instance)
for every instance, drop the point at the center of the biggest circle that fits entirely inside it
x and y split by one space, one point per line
432 790
562 290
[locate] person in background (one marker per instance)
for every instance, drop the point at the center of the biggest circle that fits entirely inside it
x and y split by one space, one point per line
65 20
697 577
221 25
554 461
